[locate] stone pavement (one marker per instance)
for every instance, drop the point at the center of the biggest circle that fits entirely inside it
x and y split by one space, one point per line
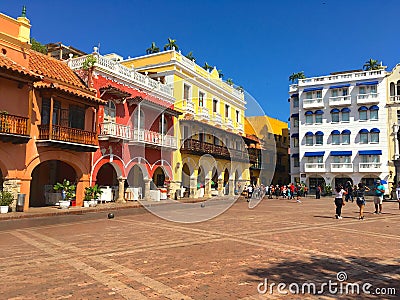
140 256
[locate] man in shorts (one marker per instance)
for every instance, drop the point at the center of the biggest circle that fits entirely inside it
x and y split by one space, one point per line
378 198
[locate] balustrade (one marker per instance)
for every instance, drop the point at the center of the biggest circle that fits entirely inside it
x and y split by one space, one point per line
13 124
67 134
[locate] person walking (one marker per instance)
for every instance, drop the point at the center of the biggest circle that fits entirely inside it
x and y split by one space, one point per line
379 190
339 193
318 192
349 190
359 193
398 193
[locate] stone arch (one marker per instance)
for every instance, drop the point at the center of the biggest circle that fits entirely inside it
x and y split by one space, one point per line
116 162
159 175
142 163
341 179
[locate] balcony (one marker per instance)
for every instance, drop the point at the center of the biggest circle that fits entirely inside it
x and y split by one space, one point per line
67 138
314 167
13 129
313 103
203 113
113 131
340 100
217 119
367 98
369 167
395 99
229 124
189 107
193 146
152 138
341 167
254 155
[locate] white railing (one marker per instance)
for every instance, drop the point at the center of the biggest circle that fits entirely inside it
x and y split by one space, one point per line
189 107
203 113
229 123
366 98
217 118
120 70
343 77
341 167
340 100
395 99
314 167
368 167
315 102
114 130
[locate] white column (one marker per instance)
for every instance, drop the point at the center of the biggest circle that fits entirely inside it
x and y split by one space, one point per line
162 128
396 141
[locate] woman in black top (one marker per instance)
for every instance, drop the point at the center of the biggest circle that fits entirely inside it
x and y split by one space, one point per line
360 194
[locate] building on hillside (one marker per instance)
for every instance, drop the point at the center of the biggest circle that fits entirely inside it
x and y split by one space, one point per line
47 120
136 127
213 157
274 137
339 129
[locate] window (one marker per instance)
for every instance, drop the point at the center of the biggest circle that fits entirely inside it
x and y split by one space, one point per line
45 113
237 116
363 137
296 162
363 113
373 115
227 111
345 116
109 112
318 94
309 95
334 92
296 101
163 128
76 118
335 116
309 119
215 105
319 139
136 119
335 139
186 92
346 138
374 137
373 89
295 141
318 118
309 140
295 122
345 91
201 98
361 90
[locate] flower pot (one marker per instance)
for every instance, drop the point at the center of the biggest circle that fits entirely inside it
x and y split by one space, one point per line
3 209
86 203
64 204
92 203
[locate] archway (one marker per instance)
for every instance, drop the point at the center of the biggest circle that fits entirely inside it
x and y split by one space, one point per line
342 180
214 180
314 182
159 177
226 182
107 176
44 177
201 177
369 181
186 176
136 179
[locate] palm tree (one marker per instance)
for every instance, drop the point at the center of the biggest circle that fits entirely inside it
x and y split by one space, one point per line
190 56
207 67
152 49
229 81
296 76
371 64
221 75
240 89
171 45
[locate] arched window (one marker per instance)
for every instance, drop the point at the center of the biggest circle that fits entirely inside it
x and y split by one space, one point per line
109 112
392 89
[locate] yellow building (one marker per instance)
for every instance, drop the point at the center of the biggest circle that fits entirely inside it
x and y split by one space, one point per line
213 157
274 138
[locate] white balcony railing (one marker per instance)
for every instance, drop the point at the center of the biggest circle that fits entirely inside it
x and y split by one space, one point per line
341 167
340 100
217 119
189 107
369 167
229 123
313 103
111 130
203 113
345 77
122 71
367 98
314 167
395 99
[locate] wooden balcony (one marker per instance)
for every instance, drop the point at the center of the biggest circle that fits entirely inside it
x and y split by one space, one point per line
196 147
13 129
68 138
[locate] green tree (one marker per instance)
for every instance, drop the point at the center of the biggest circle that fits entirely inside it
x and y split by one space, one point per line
372 64
296 76
153 49
229 81
207 67
221 75
171 45
38 47
190 56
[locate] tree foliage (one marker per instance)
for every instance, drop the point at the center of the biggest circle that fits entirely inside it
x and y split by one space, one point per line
38 47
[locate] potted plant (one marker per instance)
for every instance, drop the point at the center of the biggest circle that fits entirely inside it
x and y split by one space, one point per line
6 198
67 192
92 195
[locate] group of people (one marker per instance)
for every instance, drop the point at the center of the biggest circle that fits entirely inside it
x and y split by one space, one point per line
290 191
349 193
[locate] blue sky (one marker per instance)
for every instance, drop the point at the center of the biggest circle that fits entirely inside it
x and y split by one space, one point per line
256 43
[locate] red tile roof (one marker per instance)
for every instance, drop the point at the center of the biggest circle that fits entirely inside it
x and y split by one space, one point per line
8 64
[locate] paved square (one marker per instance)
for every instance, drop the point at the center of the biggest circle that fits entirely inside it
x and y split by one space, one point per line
140 256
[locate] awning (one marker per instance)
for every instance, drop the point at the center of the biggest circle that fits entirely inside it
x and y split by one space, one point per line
346 109
295 135
339 86
309 133
374 107
335 132
294 116
295 155
308 112
363 108
317 153
313 89
319 133
318 112
367 83
346 131
370 152
363 130
294 95
341 153
335 110
375 130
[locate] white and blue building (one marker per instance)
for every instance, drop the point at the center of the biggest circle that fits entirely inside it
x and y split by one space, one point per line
338 129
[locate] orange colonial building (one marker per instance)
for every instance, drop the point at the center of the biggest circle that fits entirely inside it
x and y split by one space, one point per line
47 120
